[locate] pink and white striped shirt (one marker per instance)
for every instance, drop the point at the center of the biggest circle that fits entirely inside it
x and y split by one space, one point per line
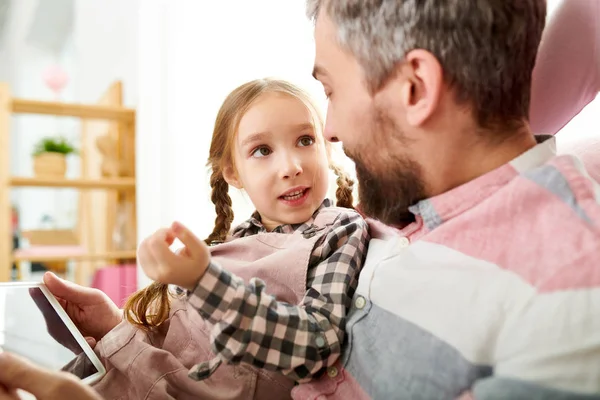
494 292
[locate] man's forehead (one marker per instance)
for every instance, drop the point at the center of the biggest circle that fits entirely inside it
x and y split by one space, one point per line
325 29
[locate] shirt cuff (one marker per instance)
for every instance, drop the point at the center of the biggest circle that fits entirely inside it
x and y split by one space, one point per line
214 293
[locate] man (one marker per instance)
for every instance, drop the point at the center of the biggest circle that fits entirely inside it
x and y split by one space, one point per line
490 290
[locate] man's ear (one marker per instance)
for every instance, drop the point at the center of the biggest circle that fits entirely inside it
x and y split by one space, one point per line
415 86
231 177
422 93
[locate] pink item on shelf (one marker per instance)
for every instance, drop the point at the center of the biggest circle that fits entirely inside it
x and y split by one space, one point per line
117 281
55 78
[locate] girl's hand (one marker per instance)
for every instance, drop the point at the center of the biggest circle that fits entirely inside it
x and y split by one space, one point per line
183 268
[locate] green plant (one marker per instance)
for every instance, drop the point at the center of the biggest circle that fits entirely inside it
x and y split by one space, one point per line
54 145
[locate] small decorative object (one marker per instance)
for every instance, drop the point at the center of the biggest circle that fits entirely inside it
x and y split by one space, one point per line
55 78
49 157
111 166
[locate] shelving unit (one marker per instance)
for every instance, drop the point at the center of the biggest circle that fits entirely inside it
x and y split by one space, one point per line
120 114
79 257
90 184
98 216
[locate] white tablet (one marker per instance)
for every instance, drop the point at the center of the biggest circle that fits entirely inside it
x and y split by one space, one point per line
34 325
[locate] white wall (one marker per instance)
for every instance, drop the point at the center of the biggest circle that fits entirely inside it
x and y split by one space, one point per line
105 36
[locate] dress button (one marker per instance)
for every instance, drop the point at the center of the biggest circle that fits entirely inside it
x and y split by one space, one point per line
360 302
320 341
332 372
403 242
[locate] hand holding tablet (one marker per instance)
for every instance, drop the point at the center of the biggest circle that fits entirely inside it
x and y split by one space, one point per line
34 325
91 310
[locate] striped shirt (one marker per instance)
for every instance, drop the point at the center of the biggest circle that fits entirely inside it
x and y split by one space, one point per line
297 340
493 293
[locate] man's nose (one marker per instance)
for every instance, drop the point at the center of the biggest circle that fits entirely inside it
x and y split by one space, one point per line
329 131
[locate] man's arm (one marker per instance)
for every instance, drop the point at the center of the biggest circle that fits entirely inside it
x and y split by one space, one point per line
550 348
567 72
297 340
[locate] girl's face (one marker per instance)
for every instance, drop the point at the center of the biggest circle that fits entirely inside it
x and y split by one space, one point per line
280 160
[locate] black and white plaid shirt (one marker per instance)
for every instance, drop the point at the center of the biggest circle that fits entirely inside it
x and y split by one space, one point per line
297 340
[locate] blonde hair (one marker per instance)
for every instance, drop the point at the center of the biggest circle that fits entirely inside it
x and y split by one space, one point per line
150 307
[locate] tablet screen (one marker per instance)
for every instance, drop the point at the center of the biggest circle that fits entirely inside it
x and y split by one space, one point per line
31 327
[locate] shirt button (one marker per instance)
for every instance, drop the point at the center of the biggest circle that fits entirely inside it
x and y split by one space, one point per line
332 372
403 242
320 341
360 302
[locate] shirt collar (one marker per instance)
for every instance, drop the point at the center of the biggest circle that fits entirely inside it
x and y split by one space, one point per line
435 210
253 225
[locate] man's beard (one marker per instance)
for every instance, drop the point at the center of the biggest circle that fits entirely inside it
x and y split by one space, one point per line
388 183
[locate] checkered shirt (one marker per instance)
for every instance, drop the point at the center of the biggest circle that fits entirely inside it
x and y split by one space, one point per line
296 340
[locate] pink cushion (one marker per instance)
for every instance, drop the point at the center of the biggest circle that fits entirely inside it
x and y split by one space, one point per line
117 281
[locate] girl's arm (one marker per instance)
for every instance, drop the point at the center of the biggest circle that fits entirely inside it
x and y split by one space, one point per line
297 340
567 73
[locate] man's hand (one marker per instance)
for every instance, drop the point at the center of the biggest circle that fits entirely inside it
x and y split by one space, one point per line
18 373
184 268
92 311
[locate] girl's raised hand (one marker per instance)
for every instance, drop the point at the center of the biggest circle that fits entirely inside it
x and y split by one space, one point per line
183 268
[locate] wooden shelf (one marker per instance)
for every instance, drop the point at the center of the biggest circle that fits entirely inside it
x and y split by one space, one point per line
73 110
103 202
113 255
104 183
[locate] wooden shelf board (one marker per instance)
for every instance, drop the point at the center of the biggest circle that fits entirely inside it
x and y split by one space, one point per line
73 110
103 183
113 255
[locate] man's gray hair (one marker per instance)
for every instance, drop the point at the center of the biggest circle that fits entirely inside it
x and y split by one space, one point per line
487 48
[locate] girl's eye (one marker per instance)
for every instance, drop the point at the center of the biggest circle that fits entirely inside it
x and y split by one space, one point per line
261 152
306 141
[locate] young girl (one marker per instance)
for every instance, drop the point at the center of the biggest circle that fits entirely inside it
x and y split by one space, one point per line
265 305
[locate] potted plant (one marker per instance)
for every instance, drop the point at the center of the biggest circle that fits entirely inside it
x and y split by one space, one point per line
49 157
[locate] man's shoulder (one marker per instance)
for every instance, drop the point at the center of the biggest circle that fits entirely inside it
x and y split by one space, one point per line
554 229
542 224
563 187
